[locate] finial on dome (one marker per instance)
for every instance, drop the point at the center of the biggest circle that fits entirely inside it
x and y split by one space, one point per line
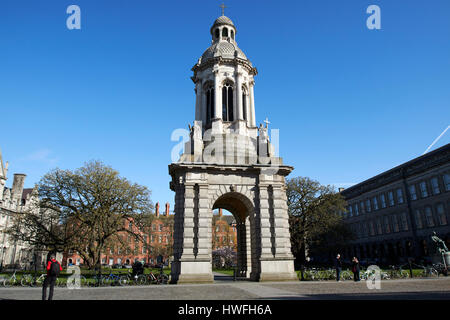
223 8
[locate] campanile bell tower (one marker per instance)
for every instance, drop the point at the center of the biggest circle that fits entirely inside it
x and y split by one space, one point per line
229 163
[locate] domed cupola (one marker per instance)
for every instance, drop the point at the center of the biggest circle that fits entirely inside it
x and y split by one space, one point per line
224 44
224 79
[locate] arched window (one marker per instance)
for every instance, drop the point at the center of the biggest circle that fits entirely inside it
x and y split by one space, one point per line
232 34
244 104
224 32
217 33
209 104
227 102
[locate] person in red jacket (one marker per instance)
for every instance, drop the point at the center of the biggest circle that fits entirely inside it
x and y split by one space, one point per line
53 270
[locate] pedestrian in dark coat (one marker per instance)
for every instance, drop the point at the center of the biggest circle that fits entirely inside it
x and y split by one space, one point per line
355 269
53 269
338 266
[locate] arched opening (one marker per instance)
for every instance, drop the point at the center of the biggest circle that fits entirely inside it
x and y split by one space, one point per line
239 229
224 32
217 33
227 102
232 34
210 98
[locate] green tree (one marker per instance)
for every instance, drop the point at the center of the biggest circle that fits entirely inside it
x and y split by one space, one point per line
84 211
313 211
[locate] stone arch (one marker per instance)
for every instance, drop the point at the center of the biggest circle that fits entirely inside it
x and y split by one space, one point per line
237 200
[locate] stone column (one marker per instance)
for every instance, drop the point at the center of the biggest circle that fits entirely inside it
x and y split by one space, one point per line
281 223
239 110
198 101
252 105
249 246
276 261
217 96
193 265
264 216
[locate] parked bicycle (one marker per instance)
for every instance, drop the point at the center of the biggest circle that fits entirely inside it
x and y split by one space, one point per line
10 281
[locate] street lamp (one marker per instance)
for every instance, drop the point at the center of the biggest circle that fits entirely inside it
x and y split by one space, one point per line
3 256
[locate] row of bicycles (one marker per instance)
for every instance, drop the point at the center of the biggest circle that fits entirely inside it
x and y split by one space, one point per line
393 272
29 280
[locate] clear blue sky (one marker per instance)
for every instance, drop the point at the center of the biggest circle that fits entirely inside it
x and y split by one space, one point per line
349 102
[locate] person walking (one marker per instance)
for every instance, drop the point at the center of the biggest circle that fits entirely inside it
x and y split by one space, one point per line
338 266
355 269
53 270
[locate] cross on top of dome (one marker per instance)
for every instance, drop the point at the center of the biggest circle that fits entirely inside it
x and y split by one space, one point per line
223 8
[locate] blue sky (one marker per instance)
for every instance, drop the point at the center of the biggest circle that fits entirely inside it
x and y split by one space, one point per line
349 102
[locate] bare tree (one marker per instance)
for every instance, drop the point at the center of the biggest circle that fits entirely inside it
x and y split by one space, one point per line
86 211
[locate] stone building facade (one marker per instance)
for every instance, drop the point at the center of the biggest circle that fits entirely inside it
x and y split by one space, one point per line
13 201
229 163
394 214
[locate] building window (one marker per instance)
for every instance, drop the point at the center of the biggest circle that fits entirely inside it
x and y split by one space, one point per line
350 211
160 227
379 228
418 218
391 198
210 104
368 208
375 203
130 225
399 195
154 227
224 32
227 102
435 186
356 210
442 219
429 217
160 239
372 228
383 200
232 34
412 192
387 226
404 221
395 223
447 182
217 33
423 189
362 206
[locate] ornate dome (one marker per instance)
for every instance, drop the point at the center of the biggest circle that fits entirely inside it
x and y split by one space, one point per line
223 49
222 20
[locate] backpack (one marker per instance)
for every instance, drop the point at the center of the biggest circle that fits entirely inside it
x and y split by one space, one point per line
54 269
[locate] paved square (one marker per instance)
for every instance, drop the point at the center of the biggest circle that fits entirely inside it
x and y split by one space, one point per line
229 290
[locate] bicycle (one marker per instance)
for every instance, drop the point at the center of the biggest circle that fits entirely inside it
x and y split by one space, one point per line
112 279
398 272
10 281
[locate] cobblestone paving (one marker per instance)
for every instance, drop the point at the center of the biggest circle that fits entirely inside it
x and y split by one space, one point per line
229 290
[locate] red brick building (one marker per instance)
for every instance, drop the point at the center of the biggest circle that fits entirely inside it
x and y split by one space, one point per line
155 247
157 243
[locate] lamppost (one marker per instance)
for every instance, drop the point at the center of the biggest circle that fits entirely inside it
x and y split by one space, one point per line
3 256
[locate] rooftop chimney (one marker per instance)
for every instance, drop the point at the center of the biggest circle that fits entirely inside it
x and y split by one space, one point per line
157 209
167 209
17 187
